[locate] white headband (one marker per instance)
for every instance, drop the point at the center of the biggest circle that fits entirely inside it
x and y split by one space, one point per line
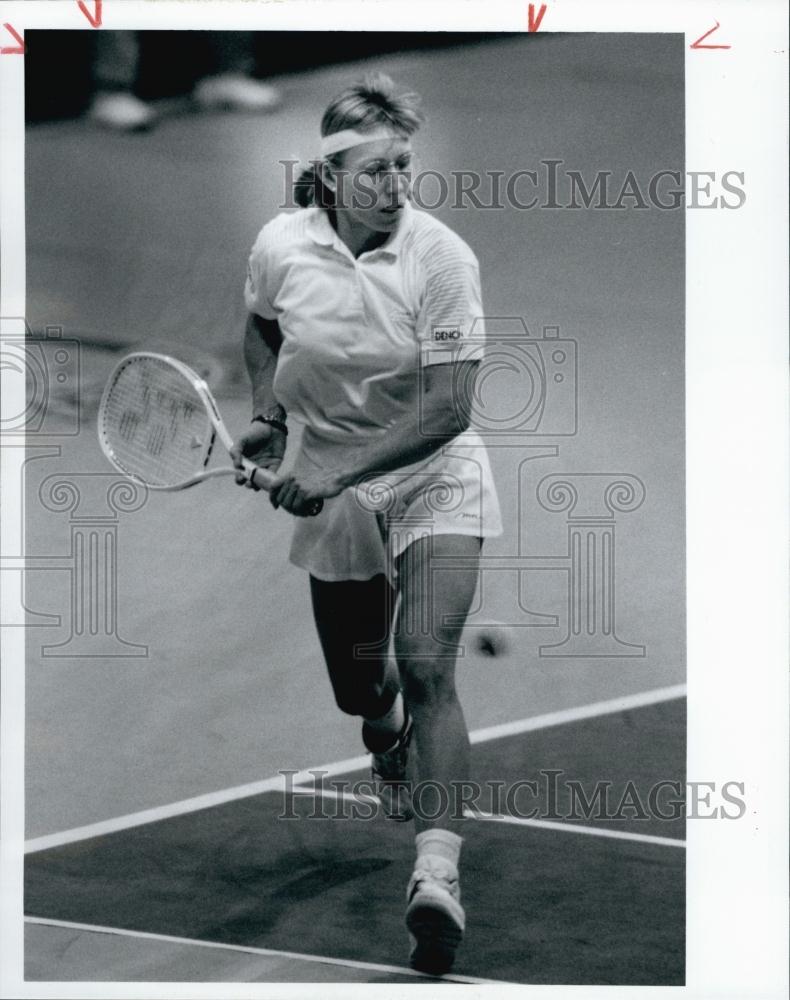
338 141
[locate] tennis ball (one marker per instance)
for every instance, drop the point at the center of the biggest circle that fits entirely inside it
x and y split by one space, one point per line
492 641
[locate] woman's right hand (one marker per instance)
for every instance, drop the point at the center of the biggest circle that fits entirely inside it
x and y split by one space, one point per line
262 444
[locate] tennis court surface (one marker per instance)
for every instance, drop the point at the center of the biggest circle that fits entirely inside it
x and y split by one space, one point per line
562 900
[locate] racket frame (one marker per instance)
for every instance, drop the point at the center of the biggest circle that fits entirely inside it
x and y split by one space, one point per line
258 476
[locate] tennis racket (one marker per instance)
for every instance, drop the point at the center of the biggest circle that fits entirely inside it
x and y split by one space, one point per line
158 423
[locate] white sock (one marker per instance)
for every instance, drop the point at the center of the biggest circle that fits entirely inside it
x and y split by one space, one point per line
440 843
392 721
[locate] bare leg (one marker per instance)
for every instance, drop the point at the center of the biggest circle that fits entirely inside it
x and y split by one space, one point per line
426 647
116 58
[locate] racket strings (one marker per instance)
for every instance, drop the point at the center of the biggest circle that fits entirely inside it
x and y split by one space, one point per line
155 423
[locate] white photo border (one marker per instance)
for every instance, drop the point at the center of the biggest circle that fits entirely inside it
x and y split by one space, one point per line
736 462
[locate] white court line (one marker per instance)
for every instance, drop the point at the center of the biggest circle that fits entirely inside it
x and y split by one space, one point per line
640 700
351 764
207 801
590 831
541 824
347 963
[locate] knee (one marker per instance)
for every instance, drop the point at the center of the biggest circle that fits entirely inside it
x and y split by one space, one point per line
427 682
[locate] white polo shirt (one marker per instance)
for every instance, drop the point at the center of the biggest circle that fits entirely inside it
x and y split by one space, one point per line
356 331
355 335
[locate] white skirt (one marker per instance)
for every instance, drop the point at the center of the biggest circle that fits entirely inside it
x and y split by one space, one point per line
360 533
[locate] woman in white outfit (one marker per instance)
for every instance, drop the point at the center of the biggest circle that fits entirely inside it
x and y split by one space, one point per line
366 326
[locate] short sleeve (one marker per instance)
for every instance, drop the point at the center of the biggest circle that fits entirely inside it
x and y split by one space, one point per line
450 323
258 290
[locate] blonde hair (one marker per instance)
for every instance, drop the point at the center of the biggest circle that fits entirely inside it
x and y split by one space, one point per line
371 102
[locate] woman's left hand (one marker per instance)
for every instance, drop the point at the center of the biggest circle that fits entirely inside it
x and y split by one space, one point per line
297 491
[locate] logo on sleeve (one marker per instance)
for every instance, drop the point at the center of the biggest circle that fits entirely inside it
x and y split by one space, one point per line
447 333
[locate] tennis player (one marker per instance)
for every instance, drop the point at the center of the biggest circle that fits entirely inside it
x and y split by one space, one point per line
360 327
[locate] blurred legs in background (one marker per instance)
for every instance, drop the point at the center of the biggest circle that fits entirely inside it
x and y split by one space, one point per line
231 84
115 63
228 84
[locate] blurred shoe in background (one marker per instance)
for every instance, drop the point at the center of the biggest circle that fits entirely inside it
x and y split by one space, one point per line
121 110
236 92
223 79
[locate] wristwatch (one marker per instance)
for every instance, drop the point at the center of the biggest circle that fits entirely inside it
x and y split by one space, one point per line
275 417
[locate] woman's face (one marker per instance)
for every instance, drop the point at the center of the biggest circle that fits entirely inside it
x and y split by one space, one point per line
373 181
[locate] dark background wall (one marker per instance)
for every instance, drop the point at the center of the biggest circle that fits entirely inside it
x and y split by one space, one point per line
58 77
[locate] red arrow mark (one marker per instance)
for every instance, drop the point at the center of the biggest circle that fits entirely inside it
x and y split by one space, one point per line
95 17
533 23
696 45
17 50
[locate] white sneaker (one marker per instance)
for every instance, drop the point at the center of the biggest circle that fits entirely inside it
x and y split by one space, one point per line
434 915
236 91
121 110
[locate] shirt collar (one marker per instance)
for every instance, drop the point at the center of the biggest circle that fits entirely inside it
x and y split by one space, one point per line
322 231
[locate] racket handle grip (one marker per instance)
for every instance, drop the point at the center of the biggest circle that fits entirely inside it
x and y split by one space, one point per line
263 479
258 476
